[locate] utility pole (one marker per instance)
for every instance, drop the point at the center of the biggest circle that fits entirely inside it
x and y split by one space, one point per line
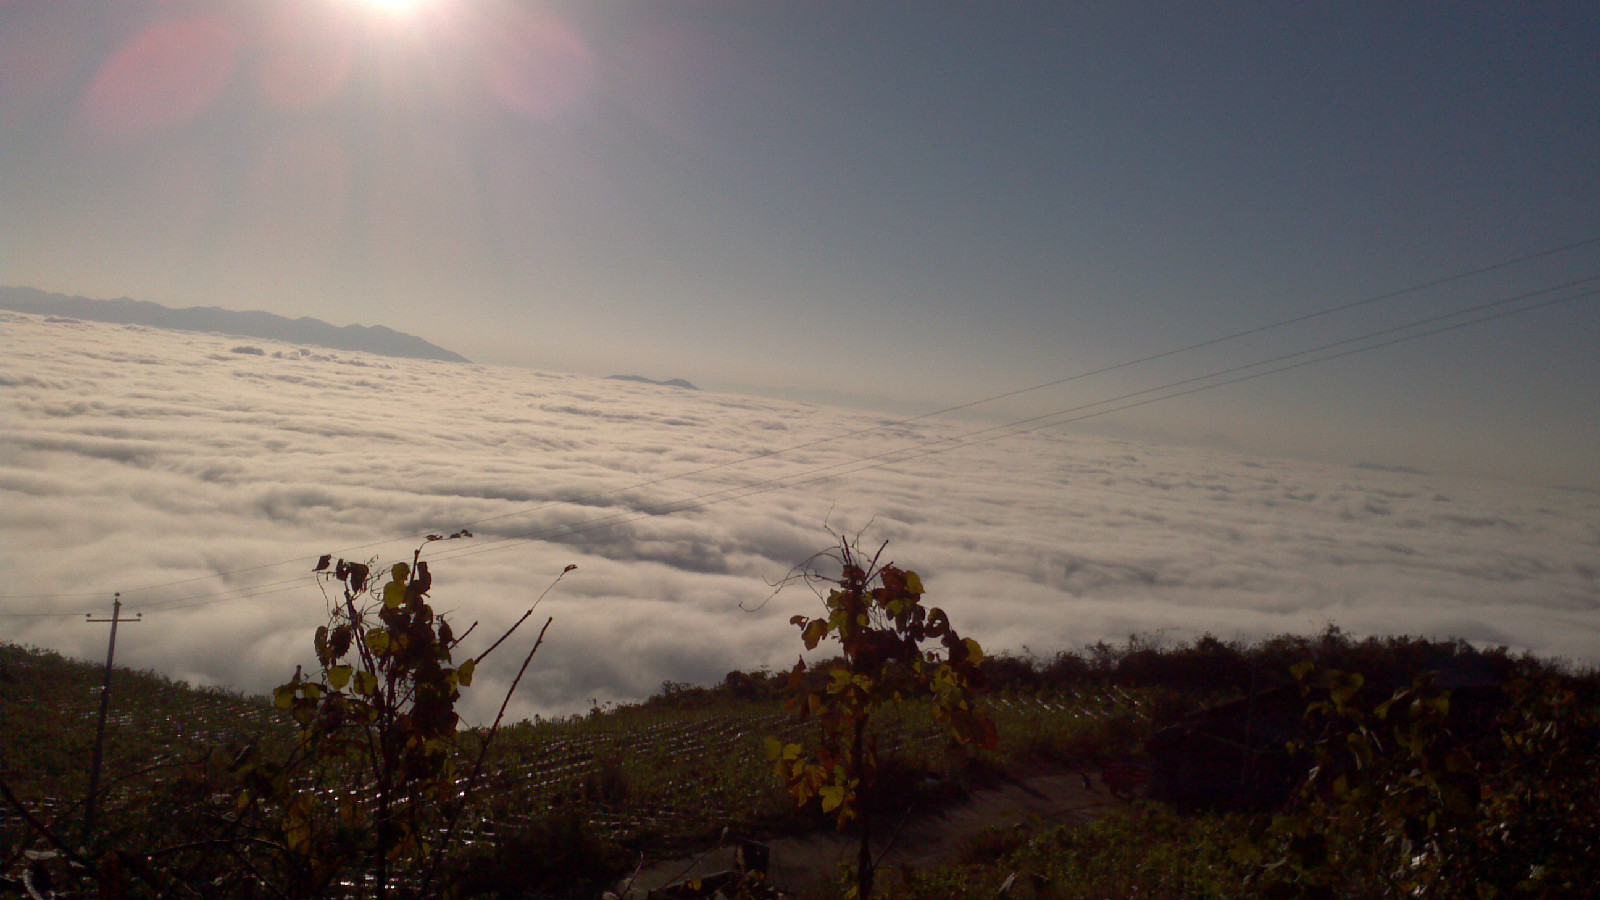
105 705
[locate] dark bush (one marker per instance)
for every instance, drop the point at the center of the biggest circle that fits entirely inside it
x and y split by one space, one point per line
555 857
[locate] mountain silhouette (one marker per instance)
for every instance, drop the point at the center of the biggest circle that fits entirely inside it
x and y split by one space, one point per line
315 332
674 382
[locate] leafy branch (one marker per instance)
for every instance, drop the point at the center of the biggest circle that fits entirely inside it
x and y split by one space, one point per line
875 611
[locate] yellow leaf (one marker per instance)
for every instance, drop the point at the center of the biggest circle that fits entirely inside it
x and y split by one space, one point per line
813 633
464 673
832 796
913 584
394 594
974 652
338 677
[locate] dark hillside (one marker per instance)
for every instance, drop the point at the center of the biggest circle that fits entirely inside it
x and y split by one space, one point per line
49 707
589 797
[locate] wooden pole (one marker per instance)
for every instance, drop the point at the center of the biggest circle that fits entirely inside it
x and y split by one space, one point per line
105 705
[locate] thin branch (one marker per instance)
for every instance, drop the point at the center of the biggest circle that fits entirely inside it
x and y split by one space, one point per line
463 635
214 842
245 861
483 750
800 571
693 862
627 886
894 837
515 681
524 618
44 831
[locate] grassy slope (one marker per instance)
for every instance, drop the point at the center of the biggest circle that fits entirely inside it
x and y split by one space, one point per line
669 775
657 778
50 707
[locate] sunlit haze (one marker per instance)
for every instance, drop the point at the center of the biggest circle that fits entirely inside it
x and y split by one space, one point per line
394 7
1288 313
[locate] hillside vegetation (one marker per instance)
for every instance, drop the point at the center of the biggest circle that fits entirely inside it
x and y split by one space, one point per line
1298 766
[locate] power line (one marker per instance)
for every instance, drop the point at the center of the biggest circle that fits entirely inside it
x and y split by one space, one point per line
1170 390
1050 421
1033 423
585 498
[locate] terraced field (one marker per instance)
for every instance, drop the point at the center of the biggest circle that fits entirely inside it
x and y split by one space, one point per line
657 778
591 798
663 779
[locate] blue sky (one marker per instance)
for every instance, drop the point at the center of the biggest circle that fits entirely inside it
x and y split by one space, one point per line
929 202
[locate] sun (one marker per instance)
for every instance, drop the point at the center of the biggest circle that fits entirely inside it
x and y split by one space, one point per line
394 7
397 17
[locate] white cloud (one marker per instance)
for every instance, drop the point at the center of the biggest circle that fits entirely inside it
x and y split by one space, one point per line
202 484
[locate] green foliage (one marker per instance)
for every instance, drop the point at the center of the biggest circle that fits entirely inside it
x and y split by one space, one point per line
1432 793
877 616
49 703
665 778
1141 852
374 791
376 730
1209 667
161 757
556 856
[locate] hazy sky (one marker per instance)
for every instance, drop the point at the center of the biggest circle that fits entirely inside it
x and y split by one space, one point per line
926 201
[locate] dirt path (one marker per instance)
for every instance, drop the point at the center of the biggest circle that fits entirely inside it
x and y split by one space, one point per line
802 863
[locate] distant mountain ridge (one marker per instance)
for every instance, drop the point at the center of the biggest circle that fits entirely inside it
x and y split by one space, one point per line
673 382
123 311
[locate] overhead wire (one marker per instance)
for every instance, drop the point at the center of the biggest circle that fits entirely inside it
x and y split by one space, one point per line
1187 348
1169 390
1033 423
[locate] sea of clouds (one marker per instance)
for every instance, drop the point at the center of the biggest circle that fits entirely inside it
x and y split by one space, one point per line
202 475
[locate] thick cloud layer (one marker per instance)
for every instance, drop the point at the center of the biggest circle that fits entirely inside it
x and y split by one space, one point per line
201 476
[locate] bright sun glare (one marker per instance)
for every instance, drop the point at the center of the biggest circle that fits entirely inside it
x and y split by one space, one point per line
394 7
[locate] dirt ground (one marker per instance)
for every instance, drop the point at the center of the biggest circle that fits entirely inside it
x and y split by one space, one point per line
800 865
